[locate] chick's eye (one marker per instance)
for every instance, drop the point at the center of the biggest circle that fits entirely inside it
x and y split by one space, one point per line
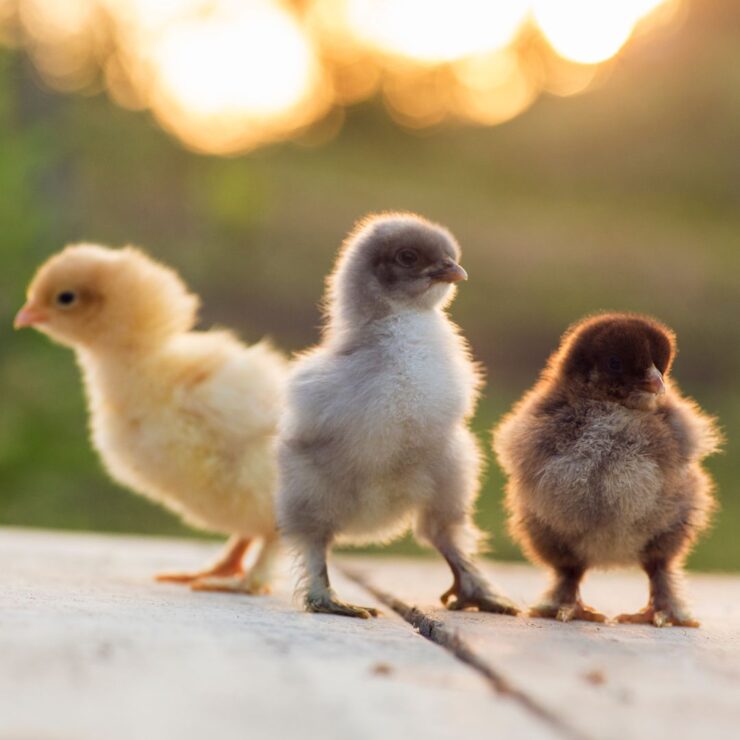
407 258
615 364
66 298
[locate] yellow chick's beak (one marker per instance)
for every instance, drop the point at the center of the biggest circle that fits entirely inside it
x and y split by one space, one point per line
29 316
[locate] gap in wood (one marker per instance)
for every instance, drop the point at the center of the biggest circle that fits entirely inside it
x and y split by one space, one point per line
440 634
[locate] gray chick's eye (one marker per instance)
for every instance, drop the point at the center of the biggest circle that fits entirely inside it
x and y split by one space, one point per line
407 257
615 364
66 298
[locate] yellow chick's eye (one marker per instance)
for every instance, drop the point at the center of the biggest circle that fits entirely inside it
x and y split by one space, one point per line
66 298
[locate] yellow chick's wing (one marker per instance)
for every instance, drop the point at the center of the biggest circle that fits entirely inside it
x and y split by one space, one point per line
228 398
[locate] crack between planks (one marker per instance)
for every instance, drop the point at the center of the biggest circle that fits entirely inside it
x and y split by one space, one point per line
450 640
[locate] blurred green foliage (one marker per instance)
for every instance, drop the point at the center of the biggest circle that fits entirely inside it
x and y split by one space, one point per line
623 198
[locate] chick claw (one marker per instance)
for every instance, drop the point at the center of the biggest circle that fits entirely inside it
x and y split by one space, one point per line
659 618
326 604
566 612
483 600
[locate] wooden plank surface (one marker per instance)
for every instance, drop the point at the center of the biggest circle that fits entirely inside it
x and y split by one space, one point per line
608 681
91 647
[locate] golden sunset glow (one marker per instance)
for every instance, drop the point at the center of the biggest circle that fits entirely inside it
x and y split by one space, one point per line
438 31
589 32
493 88
225 76
241 69
215 66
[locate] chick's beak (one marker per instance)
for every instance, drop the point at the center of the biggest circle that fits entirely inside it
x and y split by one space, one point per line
29 316
653 382
450 272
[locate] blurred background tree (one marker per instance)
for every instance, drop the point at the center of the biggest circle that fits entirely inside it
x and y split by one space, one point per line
624 196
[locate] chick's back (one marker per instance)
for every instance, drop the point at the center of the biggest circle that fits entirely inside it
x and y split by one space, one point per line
193 427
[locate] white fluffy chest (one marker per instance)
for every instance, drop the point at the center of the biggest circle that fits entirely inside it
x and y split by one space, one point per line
425 381
390 400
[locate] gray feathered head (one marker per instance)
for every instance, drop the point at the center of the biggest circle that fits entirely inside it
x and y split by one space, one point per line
391 263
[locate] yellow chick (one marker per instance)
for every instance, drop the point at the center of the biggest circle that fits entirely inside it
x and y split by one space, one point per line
183 417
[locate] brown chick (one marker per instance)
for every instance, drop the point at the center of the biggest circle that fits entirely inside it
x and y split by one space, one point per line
186 418
603 458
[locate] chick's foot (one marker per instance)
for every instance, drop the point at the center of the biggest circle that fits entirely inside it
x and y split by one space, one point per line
477 596
194 577
327 603
672 616
234 585
229 564
566 612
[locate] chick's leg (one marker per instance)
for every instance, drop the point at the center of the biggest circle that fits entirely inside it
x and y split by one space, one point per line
319 597
229 563
562 600
469 589
261 573
665 606
257 580
445 521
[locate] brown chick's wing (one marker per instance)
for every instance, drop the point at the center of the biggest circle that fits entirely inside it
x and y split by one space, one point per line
697 434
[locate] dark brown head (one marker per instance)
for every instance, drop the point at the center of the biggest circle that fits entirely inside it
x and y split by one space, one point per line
617 357
391 263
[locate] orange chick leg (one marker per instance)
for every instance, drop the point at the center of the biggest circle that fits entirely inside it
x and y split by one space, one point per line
256 581
229 563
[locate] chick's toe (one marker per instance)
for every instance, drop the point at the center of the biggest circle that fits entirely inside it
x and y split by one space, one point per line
328 604
243 584
567 612
668 617
228 564
481 598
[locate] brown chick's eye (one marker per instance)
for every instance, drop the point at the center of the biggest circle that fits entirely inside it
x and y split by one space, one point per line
66 298
615 364
407 258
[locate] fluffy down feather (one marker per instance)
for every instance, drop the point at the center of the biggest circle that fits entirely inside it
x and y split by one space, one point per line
603 458
186 418
374 438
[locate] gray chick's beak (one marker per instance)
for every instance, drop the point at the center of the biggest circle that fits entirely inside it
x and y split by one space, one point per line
451 272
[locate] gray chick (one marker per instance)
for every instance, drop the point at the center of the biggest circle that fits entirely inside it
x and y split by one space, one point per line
374 439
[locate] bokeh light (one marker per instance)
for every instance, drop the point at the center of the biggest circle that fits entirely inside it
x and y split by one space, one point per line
242 72
493 88
589 32
435 32
226 76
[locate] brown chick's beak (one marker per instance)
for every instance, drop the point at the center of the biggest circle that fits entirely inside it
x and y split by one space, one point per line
29 316
653 382
450 273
